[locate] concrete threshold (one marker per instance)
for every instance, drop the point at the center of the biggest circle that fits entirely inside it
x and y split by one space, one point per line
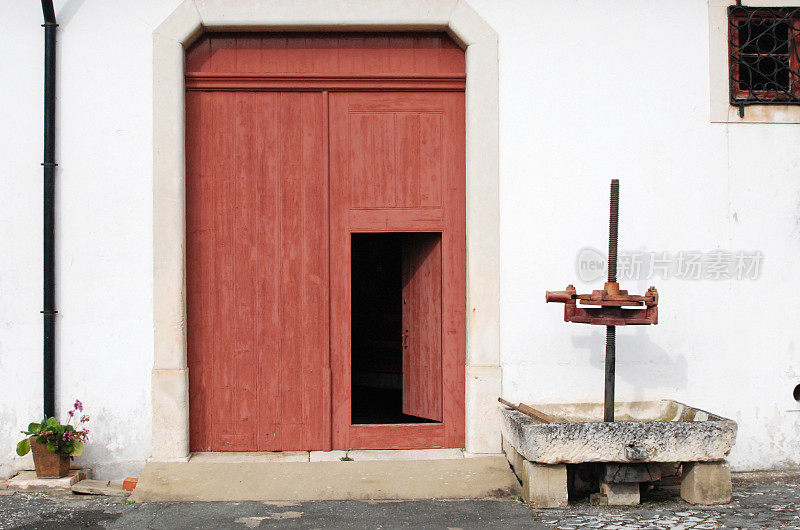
254 478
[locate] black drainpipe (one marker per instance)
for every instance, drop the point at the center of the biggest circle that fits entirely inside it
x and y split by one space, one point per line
48 196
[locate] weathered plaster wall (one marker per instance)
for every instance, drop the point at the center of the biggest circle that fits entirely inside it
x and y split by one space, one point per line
588 92
20 230
104 224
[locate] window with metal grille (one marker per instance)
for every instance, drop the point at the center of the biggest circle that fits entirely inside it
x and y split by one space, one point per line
764 44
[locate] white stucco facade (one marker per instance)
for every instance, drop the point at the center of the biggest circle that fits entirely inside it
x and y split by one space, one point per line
631 95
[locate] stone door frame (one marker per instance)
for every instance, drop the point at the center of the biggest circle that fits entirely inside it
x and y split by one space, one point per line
170 383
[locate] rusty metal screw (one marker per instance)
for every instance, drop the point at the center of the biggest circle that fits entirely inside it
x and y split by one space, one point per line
613 226
611 331
611 371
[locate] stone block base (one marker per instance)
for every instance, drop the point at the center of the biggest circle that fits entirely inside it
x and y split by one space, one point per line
598 499
620 493
706 482
514 459
544 485
548 485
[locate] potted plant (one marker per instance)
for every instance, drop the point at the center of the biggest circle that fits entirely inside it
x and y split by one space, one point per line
54 444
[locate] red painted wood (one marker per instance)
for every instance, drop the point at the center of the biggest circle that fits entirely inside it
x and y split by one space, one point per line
316 82
341 54
257 271
397 164
269 218
400 436
422 325
396 219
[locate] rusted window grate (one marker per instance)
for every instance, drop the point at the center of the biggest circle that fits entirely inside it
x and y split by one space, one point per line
764 43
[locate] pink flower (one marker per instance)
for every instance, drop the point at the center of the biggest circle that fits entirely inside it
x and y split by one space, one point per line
71 413
78 405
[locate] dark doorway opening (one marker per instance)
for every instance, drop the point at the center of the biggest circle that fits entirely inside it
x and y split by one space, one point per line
380 271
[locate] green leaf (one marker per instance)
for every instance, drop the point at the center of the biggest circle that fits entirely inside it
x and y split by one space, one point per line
77 449
23 447
52 446
34 428
51 424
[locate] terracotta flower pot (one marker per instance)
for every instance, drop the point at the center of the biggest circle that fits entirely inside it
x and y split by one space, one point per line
48 464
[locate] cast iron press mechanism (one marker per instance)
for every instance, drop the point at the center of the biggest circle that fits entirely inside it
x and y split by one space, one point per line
611 303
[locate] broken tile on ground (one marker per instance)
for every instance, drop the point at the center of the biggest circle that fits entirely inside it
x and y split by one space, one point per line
99 487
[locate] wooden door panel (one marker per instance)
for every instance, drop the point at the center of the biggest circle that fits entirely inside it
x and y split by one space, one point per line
397 160
422 326
397 165
336 54
257 271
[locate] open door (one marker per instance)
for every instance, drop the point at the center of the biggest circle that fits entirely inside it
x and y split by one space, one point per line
397 167
422 325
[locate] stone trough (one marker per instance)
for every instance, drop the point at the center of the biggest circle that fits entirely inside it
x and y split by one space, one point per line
648 438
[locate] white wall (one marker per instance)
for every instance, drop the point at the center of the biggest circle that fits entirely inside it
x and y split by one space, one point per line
104 224
592 91
589 91
20 226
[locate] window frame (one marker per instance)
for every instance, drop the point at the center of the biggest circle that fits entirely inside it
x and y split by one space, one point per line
719 107
740 98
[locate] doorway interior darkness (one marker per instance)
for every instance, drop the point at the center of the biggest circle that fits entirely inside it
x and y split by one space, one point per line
383 271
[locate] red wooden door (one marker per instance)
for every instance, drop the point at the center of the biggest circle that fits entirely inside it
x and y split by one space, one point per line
397 165
269 217
257 271
422 326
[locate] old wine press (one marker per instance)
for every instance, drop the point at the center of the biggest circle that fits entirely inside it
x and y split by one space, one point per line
609 307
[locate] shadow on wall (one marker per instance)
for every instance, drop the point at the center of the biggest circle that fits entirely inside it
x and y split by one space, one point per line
640 362
68 11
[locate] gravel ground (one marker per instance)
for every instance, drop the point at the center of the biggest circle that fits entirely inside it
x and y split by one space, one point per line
759 501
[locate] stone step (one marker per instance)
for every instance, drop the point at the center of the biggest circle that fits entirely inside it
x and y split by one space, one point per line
195 480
